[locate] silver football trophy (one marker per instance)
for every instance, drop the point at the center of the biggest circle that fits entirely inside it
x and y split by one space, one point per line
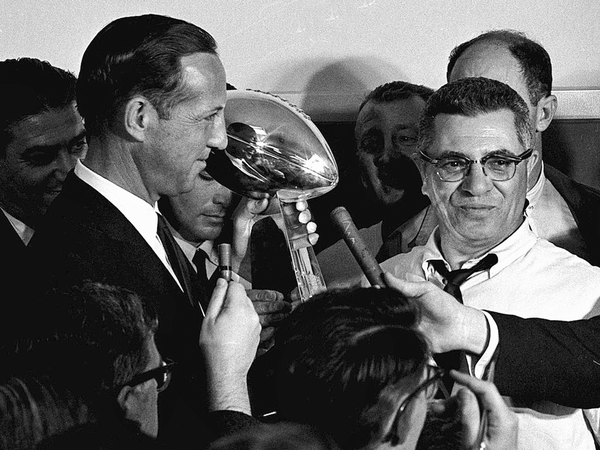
275 148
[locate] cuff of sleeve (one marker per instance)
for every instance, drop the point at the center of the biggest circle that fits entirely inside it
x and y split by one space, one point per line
478 364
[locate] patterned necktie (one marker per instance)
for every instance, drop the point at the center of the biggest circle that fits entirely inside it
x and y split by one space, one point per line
453 359
177 259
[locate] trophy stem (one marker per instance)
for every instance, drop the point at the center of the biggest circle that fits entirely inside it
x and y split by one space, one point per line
304 260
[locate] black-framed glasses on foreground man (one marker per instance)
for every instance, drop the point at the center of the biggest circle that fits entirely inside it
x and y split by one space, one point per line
497 166
430 388
161 374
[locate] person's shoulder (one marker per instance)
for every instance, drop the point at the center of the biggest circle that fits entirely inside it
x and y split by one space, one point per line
404 262
567 186
558 259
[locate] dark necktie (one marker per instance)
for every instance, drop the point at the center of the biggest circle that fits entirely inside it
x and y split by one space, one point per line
199 261
177 259
457 277
453 359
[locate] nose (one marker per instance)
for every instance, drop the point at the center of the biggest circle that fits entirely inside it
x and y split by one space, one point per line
218 134
383 157
476 182
223 197
63 163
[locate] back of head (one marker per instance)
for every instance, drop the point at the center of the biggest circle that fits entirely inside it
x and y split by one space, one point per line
29 87
90 338
279 436
32 409
137 55
471 97
343 355
533 59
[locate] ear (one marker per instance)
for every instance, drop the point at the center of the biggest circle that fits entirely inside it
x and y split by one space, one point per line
546 109
139 115
423 172
532 162
406 425
126 399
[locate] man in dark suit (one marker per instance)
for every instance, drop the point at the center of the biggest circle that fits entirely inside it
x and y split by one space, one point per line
151 90
202 218
41 139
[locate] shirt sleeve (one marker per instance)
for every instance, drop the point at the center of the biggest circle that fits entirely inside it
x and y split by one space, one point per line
478 365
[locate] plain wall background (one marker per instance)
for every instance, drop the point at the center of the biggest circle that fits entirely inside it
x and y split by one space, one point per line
323 55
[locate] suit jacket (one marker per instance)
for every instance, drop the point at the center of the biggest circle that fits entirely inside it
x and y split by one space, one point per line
584 203
550 360
83 236
13 276
13 248
557 361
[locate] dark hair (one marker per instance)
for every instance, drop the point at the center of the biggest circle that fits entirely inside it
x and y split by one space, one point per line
394 91
533 59
32 409
30 86
343 353
138 55
472 97
91 337
278 436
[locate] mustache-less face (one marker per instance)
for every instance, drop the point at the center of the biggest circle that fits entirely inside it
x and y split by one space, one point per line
387 135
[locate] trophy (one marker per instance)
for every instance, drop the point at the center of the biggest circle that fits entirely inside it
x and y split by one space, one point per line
275 148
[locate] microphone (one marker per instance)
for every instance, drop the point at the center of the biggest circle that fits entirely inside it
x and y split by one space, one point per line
365 259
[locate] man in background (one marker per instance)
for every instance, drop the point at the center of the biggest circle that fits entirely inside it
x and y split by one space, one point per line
41 139
198 219
386 134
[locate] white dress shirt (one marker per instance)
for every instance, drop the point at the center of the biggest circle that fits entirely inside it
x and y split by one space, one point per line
533 278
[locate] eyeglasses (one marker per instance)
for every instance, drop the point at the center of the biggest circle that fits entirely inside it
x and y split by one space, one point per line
499 167
430 387
161 374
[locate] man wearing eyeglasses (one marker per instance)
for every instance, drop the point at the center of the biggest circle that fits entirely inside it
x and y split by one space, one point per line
475 160
96 345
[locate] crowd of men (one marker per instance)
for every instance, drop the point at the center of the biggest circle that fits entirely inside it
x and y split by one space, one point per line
123 335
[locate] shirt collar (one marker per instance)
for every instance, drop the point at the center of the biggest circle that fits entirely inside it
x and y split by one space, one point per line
190 248
535 193
24 231
141 214
508 251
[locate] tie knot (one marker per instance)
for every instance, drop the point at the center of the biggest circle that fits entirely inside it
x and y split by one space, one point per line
457 277
199 258
162 225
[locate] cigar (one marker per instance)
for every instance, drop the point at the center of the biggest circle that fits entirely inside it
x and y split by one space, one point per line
225 261
365 259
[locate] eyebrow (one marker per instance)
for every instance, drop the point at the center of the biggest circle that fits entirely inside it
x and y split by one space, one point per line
500 152
55 147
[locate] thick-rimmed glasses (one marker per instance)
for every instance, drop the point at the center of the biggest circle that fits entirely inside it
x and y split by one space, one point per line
161 374
499 167
429 387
